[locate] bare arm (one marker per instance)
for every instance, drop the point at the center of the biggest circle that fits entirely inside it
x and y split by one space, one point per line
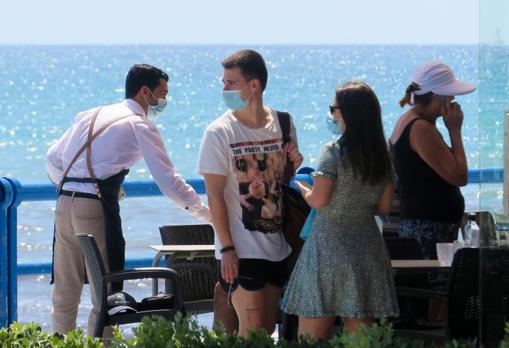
449 163
385 203
321 192
215 185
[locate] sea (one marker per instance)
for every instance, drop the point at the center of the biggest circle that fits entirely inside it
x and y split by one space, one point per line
42 88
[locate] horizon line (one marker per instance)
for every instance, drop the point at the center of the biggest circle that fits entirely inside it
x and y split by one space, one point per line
237 44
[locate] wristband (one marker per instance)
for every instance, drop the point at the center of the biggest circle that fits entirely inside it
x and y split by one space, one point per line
226 248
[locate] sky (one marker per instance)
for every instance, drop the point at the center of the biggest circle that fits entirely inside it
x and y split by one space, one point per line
239 22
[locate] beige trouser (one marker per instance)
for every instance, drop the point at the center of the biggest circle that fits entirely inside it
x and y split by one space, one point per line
74 216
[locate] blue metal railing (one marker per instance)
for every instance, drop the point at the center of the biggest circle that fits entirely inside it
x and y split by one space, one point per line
12 193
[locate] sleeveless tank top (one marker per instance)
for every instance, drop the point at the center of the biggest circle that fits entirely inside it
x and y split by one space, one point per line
423 193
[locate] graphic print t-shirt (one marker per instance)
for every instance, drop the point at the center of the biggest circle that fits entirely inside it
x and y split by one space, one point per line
253 160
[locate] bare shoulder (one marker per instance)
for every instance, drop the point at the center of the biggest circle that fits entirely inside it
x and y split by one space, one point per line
423 128
425 138
403 121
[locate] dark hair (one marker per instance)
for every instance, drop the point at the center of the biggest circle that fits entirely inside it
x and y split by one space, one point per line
142 75
251 65
422 100
363 143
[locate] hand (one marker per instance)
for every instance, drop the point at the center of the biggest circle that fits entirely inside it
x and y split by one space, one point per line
453 116
302 187
230 266
294 155
304 191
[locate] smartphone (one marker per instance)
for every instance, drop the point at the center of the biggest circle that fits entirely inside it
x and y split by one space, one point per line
305 184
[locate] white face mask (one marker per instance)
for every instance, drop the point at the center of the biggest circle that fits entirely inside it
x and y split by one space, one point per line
333 125
156 110
233 100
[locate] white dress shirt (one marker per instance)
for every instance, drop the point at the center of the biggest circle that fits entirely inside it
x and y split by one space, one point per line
119 147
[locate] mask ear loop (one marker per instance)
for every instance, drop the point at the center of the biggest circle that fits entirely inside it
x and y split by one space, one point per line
146 97
252 93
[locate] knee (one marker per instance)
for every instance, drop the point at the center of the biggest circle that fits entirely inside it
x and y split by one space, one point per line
255 318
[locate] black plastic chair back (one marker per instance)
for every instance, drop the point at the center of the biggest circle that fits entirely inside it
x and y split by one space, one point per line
187 234
494 277
198 281
166 307
94 265
198 275
463 295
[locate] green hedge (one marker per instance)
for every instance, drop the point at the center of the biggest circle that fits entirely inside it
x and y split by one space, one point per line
185 332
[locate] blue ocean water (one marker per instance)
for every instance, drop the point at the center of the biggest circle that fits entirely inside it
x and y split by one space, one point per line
43 87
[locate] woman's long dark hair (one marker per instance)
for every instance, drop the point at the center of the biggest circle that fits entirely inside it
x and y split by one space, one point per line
363 143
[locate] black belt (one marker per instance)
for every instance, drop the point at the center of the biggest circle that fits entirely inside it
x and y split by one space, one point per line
79 194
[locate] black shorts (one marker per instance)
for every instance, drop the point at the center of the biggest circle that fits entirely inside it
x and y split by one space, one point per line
255 273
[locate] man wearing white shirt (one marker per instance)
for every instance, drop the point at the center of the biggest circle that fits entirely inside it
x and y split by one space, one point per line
243 158
89 163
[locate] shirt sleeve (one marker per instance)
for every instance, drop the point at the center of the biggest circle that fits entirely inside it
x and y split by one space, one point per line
293 133
328 163
213 158
54 166
162 169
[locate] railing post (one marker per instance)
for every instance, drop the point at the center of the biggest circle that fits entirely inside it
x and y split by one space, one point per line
6 198
12 233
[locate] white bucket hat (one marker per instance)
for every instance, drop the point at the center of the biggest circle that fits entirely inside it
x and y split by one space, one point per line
438 78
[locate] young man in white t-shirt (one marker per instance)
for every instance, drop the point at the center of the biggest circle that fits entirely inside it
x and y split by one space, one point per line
242 159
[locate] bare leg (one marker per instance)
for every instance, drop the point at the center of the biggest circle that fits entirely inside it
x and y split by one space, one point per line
256 309
352 324
222 313
318 328
272 296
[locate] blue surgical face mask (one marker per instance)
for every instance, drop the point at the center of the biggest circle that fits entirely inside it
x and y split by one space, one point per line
233 100
333 125
156 110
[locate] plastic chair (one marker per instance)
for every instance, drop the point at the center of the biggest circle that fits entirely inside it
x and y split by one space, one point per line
413 312
101 279
494 281
462 295
198 275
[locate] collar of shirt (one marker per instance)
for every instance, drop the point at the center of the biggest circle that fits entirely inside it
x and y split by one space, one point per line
134 107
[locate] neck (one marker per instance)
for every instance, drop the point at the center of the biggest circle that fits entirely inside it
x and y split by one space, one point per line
141 100
254 115
424 114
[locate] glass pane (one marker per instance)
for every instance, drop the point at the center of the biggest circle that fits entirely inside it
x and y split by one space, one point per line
493 104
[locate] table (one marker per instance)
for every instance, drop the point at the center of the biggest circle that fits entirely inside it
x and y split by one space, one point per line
418 266
174 252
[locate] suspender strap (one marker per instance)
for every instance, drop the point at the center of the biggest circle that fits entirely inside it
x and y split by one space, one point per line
87 146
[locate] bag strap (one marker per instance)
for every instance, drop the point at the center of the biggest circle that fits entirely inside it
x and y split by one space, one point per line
284 123
87 145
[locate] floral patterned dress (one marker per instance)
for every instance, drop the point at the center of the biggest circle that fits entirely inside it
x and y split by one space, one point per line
343 269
